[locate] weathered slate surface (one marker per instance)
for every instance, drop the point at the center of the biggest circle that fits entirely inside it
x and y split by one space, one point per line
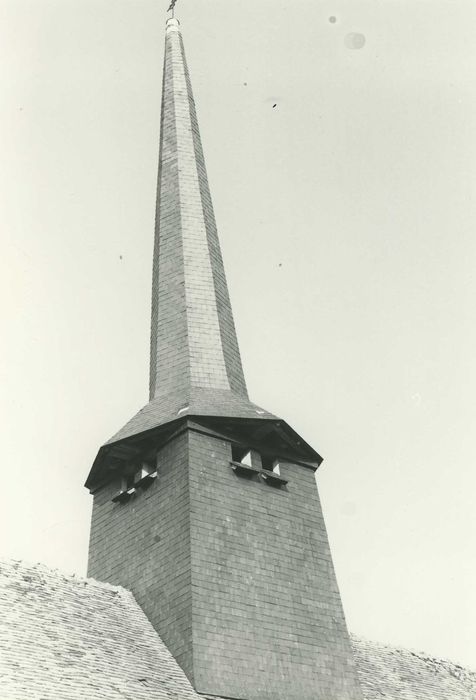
390 673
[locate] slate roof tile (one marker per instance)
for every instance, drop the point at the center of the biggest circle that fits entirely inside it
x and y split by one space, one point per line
193 401
391 673
67 638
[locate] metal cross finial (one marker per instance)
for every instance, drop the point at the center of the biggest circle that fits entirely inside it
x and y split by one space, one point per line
172 7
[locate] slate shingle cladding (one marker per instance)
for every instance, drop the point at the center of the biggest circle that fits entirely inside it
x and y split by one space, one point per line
235 576
193 338
68 638
392 673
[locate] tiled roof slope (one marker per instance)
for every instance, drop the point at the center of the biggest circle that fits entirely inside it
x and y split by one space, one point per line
389 673
193 401
69 638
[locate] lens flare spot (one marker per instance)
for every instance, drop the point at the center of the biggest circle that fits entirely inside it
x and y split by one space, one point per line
355 40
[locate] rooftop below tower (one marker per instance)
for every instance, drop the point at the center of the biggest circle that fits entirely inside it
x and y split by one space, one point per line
73 638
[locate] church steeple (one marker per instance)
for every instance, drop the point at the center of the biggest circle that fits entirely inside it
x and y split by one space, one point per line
195 363
205 505
193 338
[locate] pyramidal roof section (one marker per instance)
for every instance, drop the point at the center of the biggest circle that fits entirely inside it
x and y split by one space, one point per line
193 337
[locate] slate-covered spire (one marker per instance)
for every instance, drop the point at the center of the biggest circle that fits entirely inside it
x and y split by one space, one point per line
195 365
193 338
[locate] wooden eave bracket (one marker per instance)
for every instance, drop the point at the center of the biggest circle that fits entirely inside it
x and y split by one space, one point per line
124 496
243 469
269 477
273 478
146 480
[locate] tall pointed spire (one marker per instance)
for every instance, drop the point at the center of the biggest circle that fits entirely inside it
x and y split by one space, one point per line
195 364
193 338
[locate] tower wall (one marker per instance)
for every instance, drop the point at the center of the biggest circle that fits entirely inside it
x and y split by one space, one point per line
235 575
268 622
144 545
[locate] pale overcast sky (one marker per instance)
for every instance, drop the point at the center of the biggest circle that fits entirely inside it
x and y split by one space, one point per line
344 187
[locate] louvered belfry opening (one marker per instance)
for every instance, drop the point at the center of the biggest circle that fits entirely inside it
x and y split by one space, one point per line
226 553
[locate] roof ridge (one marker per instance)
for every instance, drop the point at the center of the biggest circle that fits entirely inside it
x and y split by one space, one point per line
24 566
423 655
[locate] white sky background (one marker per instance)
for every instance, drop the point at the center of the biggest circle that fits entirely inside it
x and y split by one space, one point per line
347 217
